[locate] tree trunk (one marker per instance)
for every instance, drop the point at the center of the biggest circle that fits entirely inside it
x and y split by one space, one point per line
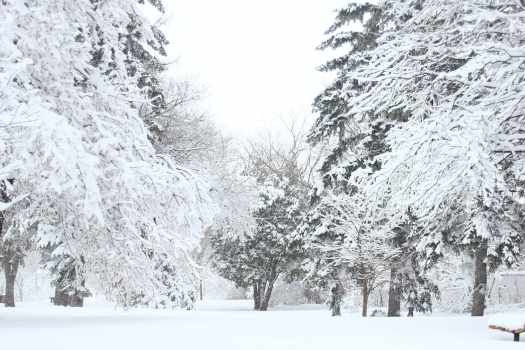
256 296
394 294
60 298
480 279
11 263
410 311
336 299
365 293
267 295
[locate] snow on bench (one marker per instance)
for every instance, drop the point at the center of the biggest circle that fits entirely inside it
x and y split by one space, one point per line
510 323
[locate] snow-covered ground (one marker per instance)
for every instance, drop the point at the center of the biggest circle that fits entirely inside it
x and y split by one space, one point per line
229 325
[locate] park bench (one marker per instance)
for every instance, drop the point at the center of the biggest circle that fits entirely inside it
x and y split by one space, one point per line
515 331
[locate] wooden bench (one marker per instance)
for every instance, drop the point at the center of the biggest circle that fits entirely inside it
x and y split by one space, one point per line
515 331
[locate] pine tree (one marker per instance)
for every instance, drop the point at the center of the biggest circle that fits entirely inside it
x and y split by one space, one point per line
457 77
407 69
408 279
356 141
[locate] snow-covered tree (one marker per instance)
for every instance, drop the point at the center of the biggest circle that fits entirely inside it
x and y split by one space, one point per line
409 281
355 144
257 255
361 252
339 234
72 138
460 77
322 267
269 249
449 77
12 244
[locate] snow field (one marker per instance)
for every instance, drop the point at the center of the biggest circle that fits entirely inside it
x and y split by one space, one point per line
230 325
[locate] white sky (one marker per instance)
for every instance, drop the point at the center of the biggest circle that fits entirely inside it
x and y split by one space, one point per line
256 59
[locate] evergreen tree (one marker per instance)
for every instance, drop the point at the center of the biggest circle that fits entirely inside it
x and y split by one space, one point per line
449 85
451 162
271 247
408 279
357 141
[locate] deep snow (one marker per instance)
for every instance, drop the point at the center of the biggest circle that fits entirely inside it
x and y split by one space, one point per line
232 325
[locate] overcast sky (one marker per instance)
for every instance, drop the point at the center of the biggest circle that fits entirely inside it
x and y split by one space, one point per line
256 59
